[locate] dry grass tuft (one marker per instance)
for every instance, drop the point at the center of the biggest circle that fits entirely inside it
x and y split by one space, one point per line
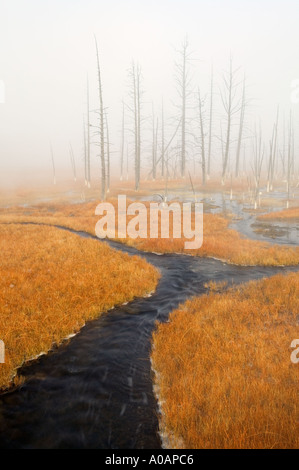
223 368
52 282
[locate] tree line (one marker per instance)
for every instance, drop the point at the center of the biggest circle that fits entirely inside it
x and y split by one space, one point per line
211 133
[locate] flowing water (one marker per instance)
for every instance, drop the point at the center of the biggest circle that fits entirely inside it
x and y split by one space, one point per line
95 390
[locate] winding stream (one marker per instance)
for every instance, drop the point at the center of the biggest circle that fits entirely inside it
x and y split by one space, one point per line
95 390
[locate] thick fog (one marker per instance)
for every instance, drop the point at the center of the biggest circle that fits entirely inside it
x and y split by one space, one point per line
47 51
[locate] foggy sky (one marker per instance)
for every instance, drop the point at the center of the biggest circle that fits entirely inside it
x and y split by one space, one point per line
47 50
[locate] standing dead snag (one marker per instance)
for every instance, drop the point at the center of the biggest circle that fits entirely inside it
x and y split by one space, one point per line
135 75
85 152
127 177
290 162
102 126
183 86
165 153
241 127
154 146
272 156
258 154
122 150
231 107
108 157
211 122
202 138
162 142
88 177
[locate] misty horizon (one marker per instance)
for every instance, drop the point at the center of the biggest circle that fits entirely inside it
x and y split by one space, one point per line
47 51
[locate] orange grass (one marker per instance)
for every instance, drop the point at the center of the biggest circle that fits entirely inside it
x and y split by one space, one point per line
223 369
287 215
52 282
219 241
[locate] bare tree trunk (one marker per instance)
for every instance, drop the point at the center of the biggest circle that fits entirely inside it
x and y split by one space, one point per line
163 142
122 145
136 94
274 150
88 175
127 162
202 137
228 101
283 153
102 136
108 158
241 126
183 83
139 124
272 157
289 169
270 163
167 147
85 152
257 166
183 154
154 147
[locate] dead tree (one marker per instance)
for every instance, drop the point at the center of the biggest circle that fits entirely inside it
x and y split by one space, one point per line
283 151
85 152
167 147
272 155
87 155
102 128
258 158
154 146
290 159
128 162
108 157
202 138
122 151
162 143
241 127
183 81
231 106
135 75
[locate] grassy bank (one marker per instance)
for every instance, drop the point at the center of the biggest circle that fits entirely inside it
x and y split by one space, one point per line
286 215
52 282
219 241
223 368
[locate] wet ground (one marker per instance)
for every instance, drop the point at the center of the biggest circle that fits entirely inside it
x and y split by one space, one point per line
244 218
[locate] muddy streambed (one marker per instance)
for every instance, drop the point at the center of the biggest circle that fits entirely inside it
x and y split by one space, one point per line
96 391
